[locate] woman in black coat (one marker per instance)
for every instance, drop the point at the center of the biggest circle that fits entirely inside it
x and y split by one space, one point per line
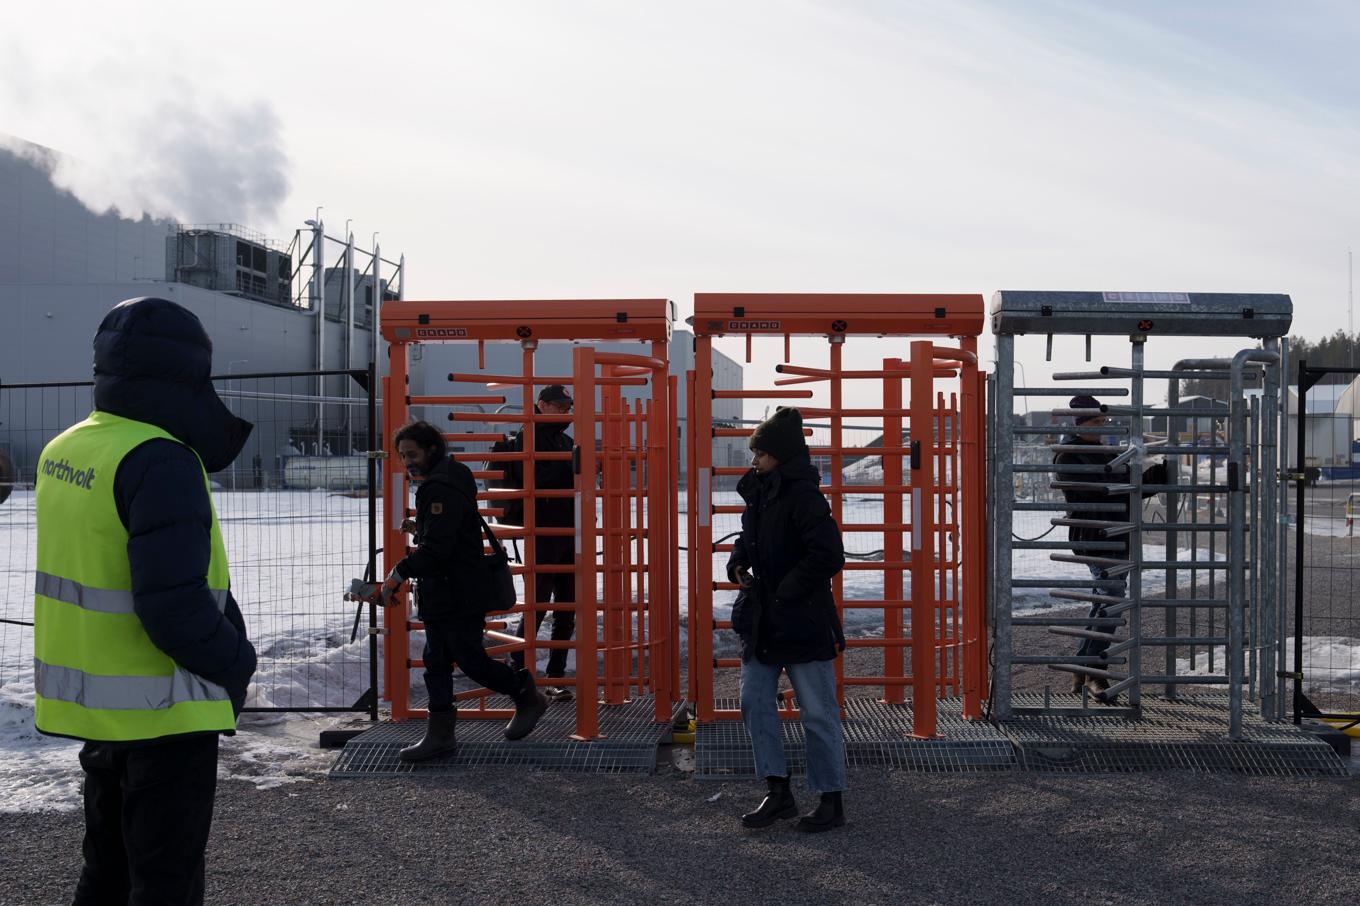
790 547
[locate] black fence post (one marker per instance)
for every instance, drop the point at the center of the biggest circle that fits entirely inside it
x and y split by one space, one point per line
1300 445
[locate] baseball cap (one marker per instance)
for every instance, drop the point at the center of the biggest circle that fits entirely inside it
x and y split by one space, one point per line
554 393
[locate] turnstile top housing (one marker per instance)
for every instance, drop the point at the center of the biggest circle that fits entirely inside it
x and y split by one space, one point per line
1124 313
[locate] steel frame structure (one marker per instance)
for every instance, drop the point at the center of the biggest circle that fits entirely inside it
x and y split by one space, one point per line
932 487
1240 621
625 535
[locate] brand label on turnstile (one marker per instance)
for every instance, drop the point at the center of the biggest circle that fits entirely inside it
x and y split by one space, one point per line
754 325
705 502
398 503
1135 298
441 333
916 519
578 523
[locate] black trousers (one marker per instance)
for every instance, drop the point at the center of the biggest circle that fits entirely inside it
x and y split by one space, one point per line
148 811
557 587
457 639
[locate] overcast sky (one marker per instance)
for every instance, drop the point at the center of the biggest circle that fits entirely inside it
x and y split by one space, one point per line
570 149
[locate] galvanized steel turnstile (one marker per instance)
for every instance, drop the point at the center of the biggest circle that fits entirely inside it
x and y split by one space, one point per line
1218 578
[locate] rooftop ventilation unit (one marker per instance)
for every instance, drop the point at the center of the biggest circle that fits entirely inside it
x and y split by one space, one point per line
230 259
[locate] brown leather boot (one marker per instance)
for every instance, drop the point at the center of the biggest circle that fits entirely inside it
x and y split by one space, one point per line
1078 680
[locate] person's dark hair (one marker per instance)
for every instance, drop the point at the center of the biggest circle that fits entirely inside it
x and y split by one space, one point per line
424 434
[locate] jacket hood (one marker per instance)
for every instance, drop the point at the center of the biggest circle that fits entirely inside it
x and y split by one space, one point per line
152 361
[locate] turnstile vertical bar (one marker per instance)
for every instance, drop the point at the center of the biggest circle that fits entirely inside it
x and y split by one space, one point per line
1174 425
587 595
972 545
837 347
1001 493
894 615
1237 554
701 429
1136 436
924 671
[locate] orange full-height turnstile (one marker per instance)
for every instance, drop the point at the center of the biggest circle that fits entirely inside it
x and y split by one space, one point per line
625 469
932 489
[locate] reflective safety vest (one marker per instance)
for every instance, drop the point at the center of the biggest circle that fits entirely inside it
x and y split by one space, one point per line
97 675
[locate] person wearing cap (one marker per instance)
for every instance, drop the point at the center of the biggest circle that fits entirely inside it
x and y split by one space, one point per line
139 647
785 614
1087 433
551 550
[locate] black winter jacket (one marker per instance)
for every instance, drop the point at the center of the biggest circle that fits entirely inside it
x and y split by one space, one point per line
1154 475
557 512
448 555
791 543
152 360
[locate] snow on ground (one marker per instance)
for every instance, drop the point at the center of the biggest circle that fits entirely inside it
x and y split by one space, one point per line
293 554
1333 663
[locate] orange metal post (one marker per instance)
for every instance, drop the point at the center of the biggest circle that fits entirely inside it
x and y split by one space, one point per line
587 596
396 649
837 341
923 440
894 661
701 543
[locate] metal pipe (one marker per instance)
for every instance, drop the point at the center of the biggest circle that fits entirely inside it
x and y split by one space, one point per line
1003 496
1237 553
319 299
1135 578
349 338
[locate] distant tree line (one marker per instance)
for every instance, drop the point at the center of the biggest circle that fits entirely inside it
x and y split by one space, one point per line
1340 350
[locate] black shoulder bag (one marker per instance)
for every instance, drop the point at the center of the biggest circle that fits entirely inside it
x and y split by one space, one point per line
500 584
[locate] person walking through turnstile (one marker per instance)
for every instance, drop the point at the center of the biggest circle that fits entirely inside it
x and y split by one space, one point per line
789 548
455 592
549 512
1087 433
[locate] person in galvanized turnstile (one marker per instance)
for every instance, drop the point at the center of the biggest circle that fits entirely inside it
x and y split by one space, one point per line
1087 433
789 548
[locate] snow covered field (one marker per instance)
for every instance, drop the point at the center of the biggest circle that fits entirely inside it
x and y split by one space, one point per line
292 555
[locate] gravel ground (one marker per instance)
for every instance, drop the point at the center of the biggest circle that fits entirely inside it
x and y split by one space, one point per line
662 838
497 836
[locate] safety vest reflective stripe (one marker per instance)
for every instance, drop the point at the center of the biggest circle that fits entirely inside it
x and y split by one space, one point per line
102 600
123 693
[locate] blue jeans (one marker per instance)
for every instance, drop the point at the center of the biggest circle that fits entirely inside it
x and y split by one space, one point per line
815 685
1096 647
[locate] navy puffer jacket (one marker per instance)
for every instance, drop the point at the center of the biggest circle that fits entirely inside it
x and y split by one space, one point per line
152 359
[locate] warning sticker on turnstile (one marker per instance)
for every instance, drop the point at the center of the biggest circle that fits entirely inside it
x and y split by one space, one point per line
1127 298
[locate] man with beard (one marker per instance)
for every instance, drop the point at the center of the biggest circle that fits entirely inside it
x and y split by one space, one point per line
139 647
454 592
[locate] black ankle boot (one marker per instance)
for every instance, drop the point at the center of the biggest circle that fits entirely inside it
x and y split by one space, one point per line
439 737
529 707
778 803
829 813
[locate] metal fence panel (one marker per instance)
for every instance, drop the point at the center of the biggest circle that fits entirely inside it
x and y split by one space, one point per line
1326 553
297 514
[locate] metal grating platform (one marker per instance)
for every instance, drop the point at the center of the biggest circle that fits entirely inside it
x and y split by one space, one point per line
630 744
1189 734
875 735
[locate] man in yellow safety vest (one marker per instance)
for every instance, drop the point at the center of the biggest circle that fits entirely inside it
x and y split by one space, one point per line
139 648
